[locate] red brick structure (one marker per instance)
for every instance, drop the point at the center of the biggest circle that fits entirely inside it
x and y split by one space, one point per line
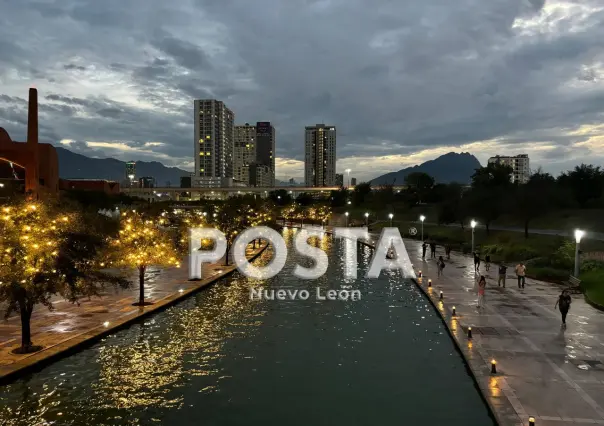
39 160
106 186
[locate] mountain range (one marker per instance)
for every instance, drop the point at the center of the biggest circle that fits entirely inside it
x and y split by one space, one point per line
78 166
451 167
447 168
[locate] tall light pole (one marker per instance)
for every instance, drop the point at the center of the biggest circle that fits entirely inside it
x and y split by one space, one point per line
578 235
367 219
348 171
422 218
473 225
391 216
346 219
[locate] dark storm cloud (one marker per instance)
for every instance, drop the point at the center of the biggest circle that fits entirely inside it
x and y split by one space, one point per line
395 77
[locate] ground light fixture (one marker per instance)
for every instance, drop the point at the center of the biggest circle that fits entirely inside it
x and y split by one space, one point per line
429 283
531 421
441 296
366 219
391 216
181 291
454 313
419 274
469 332
493 366
106 324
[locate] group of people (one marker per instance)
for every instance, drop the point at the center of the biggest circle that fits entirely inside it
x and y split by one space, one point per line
564 299
520 270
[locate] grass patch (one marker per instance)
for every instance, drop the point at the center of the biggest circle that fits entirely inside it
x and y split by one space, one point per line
592 283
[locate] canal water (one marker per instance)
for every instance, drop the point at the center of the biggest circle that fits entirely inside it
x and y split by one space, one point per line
219 358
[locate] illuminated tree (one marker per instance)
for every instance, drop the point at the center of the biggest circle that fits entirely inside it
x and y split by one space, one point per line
141 244
43 254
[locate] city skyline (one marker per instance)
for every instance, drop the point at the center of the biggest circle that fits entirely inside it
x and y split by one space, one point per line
125 89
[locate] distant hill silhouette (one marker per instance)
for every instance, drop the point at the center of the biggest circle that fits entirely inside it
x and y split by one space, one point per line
78 166
451 167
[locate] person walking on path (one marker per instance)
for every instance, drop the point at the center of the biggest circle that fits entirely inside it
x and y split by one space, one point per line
563 303
424 247
448 251
521 274
502 271
433 250
487 262
482 285
441 265
476 261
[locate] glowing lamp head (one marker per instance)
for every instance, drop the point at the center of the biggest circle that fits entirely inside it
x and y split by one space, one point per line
366 214
422 218
473 224
493 362
390 215
106 324
578 235
346 214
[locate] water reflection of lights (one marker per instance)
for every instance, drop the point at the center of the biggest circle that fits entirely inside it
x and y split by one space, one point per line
137 375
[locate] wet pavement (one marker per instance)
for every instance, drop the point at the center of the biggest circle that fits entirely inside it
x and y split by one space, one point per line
70 324
553 374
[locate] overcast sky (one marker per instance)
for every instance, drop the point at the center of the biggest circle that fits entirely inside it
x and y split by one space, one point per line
403 81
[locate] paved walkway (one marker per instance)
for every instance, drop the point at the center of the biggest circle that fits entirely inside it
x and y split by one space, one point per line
544 371
68 325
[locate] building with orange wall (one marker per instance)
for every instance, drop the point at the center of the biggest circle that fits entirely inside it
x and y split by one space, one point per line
39 160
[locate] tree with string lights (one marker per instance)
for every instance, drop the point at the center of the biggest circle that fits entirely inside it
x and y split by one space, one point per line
42 254
140 244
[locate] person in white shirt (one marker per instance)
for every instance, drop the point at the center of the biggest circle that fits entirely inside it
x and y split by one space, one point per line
521 274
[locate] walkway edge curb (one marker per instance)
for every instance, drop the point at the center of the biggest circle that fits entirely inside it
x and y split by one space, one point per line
592 303
460 349
47 356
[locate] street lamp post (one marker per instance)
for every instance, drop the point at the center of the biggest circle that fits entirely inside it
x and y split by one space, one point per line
578 235
348 172
391 216
473 225
422 218
346 219
367 219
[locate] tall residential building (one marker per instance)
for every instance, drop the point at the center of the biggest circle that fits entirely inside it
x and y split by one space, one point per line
254 159
320 156
244 152
131 170
265 153
339 179
214 143
521 171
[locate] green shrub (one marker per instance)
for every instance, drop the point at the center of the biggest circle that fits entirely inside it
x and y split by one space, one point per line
539 262
564 257
591 265
547 274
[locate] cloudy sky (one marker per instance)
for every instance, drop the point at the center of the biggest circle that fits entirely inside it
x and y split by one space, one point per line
404 81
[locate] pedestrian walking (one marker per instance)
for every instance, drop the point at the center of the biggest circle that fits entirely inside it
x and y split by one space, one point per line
487 262
448 251
521 274
441 265
424 247
433 250
476 261
482 285
563 303
502 272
